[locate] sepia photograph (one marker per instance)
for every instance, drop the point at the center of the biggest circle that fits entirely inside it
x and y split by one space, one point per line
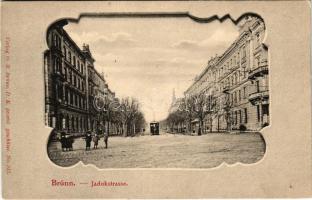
156 91
156 99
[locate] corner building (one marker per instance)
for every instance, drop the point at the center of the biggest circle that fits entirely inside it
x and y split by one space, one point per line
71 83
239 81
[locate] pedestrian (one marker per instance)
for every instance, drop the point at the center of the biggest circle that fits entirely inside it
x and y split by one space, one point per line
106 139
88 139
63 141
70 141
95 140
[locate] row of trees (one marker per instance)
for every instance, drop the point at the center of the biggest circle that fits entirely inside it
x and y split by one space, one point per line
199 107
124 114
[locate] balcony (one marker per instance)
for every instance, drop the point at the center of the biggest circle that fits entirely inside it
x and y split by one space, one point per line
259 71
259 96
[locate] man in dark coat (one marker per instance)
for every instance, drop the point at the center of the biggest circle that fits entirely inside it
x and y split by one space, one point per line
88 140
106 139
63 141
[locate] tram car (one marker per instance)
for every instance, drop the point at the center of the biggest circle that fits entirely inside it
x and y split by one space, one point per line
154 128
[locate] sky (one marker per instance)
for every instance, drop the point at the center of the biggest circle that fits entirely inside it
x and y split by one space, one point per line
148 58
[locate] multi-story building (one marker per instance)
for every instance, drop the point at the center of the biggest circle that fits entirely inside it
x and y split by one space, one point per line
238 81
71 83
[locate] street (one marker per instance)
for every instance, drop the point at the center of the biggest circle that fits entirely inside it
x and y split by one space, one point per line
165 151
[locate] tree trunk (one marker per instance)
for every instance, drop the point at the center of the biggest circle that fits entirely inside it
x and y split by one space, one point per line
124 131
200 126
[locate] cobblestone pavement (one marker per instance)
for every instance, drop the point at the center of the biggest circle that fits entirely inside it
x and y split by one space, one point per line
165 151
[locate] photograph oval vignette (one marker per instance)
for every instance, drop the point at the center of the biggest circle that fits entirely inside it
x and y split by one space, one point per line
156 92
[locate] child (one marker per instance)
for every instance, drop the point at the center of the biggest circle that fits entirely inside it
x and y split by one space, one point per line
96 141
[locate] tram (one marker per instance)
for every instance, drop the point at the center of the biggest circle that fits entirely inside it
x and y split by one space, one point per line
154 128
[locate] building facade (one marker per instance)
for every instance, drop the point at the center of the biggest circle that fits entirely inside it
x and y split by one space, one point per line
71 83
238 81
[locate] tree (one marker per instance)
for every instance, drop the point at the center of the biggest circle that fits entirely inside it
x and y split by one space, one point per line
213 108
199 106
227 106
129 114
186 107
139 122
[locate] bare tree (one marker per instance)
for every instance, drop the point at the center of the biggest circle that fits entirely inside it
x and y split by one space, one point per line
139 122
129 111
176 120
186 107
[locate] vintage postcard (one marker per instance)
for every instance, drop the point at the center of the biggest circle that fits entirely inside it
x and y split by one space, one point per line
189 99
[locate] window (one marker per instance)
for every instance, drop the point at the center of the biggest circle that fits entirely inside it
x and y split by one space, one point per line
74 99
64 51
257 86
240 116
65 72
243 52
69 57
232 98
246 115
66 95
54 39
58 42
244 92
54 64
265 109
70 77
57 64
71 98
74 80
235 117
77 102
258 113
239 95
74 61
256 63
59 92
